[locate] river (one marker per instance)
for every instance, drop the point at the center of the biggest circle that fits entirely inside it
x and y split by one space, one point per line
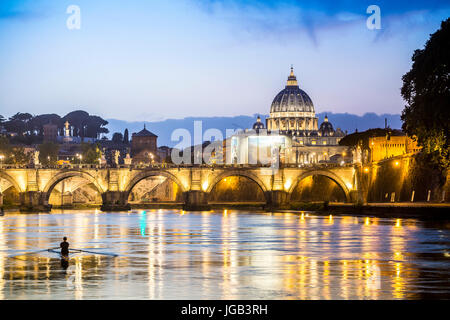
172 254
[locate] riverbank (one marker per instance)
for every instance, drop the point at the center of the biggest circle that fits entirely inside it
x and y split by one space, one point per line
422 210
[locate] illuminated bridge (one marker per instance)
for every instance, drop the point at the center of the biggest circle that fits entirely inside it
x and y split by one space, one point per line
197 187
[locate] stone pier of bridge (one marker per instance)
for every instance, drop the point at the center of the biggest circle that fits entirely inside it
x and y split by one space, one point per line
35 185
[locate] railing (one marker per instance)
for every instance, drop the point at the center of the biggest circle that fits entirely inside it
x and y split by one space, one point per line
173 166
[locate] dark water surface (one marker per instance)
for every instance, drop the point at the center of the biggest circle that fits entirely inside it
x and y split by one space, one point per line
171 254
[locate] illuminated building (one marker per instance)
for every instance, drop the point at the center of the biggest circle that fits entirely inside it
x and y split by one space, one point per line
291 131
391 145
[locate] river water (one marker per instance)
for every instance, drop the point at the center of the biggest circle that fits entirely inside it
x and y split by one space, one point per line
172 254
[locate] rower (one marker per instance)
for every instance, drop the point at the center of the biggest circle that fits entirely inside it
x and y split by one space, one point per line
64 247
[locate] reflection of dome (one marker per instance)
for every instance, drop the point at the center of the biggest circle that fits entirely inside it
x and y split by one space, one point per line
326 128
292 98
258 125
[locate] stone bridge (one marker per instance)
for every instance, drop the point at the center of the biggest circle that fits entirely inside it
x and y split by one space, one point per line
35 185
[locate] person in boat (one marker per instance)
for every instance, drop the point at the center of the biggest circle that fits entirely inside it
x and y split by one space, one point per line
64 247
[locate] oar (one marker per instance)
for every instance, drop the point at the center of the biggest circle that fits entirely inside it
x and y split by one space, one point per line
33 252
102 253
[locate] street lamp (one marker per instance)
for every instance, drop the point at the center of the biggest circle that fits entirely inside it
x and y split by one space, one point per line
1 158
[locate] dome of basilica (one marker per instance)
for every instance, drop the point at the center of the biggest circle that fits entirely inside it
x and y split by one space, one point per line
292 98
326 128
258 125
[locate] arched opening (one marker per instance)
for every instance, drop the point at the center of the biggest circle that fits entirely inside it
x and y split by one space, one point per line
155 189
9 192
9 196
73 189
237 189
318 187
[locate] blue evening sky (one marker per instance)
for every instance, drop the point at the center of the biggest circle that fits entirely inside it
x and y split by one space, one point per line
150 60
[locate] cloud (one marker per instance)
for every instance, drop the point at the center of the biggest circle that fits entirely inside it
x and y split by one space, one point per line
333 7
311 17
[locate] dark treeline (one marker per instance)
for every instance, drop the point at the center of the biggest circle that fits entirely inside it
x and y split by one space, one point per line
29 129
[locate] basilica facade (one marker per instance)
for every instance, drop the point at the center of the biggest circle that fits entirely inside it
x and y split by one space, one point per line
293 128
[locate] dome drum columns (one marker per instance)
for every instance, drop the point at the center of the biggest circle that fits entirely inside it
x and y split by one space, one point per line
196 200
115 201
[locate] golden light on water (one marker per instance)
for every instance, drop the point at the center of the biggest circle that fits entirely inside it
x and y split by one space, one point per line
309 261
330 219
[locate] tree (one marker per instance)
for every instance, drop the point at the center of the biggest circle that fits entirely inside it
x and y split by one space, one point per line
38 122
91 153
96 126
16 126
78 120
85 125
117 137
20 157
21 123
5 150
13 155
126 137
426 90
48 153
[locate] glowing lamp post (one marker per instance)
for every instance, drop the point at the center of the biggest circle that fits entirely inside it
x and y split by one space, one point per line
79 156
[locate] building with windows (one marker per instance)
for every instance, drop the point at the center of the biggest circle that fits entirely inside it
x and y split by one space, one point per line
391 145
292 132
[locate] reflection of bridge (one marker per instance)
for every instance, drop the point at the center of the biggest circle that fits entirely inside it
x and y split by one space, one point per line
196 182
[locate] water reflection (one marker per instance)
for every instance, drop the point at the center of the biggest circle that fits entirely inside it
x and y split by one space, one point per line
166 254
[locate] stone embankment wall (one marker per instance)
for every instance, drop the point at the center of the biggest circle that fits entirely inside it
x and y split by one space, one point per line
397 178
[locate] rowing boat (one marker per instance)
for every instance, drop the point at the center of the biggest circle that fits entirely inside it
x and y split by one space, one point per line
57 251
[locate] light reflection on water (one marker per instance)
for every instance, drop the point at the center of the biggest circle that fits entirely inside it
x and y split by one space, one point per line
171 254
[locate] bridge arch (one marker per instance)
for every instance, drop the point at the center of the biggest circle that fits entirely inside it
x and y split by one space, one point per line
237 173
11 180
147 174
51 184
329 174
